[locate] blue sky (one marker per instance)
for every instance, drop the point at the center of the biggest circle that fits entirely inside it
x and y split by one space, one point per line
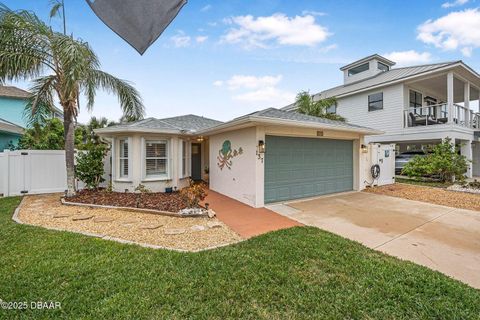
222 59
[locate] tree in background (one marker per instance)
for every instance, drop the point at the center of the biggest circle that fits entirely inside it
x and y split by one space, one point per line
90 166
61 67
307 105
48 135
443 162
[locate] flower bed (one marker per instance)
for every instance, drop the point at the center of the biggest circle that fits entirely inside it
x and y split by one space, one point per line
171 202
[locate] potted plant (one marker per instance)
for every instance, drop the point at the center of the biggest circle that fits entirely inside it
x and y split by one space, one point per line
206 170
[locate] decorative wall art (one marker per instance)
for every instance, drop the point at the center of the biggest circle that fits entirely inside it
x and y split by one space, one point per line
226 154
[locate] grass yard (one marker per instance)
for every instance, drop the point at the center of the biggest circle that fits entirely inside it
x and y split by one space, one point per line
294 273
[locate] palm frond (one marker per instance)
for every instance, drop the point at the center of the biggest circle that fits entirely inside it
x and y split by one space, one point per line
55 10
40 105
128 97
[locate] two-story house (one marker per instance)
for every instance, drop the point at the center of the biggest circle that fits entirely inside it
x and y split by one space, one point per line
12 120
414 106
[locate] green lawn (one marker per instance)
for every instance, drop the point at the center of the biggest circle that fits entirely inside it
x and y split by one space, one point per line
296 273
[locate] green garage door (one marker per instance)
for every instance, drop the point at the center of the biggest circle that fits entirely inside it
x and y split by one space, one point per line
305 167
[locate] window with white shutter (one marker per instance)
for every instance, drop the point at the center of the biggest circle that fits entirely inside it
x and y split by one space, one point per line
156 159
123 158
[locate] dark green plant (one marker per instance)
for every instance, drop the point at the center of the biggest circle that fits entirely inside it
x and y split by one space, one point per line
90 166
443 162
307 105
48 135
61 68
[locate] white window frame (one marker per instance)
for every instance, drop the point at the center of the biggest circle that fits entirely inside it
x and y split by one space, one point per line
185 158
118 174
168 151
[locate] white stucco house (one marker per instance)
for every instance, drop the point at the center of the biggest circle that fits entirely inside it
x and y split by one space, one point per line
264 157
414 106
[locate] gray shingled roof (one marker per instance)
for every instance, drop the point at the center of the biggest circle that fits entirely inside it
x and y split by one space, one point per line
189 123
13 92
379 79
6 125
273 113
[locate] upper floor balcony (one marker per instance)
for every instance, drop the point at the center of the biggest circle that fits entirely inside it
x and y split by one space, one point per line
443 99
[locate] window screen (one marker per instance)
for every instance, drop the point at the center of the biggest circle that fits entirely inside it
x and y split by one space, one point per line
375 101
156 161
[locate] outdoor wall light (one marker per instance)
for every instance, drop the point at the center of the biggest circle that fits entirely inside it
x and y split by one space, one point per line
364 148
200 139
261 146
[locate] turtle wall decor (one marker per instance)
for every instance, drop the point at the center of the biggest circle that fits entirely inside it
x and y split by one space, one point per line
226 154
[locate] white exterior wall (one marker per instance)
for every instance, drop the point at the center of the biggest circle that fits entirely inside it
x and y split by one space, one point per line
137 164
245 180
240 181
355 109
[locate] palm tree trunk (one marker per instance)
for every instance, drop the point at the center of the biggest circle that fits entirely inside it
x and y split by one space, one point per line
69 131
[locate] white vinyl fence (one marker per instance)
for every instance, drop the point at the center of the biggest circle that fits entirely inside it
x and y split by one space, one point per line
36 171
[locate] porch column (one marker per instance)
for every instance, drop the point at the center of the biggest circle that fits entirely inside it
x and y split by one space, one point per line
450 96
466 103
466 150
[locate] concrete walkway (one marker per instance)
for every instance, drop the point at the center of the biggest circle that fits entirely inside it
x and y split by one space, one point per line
441 238
245 220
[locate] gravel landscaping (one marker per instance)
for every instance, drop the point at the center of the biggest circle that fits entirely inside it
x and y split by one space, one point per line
171 202
191 234
431 195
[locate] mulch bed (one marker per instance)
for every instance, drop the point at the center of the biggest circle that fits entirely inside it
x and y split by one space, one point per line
171 202
431 195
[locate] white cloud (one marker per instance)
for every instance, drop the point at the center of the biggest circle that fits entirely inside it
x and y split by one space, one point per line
253 89
455 3
328 48
251 32
455 31
206 8
252 82
201 39
313 13
181 40
409 57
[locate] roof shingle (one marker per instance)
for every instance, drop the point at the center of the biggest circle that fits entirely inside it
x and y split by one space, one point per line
13 92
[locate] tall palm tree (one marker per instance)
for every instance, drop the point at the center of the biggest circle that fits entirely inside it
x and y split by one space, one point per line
62 68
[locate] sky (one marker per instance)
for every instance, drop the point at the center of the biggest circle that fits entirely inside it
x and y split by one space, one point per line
223 59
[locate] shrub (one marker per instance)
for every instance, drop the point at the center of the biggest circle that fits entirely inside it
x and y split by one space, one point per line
443 162
142 189
90 168
193 194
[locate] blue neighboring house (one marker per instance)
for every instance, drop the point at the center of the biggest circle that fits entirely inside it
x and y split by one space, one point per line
12 123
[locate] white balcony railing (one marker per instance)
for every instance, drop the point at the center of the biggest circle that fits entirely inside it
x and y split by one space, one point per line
438 114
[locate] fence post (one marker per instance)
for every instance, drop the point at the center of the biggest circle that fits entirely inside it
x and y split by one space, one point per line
6 170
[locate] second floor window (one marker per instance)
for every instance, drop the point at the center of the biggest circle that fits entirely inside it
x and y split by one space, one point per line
332 109
375 101
416 101
360 68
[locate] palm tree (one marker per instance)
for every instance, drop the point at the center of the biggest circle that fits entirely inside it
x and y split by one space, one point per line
62 68
58 5
307 105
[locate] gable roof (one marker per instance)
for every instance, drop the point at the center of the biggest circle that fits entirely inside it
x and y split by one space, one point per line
13 92
274 116
186 124
363 60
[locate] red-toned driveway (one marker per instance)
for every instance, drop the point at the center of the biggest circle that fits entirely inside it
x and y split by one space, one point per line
247 221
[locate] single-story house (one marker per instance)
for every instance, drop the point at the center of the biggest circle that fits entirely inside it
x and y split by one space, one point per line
263 157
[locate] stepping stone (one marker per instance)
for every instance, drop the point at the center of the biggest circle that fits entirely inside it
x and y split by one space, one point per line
174 231
211 213
128 222
61 215
214 224
82 217
103 219
45 214
150 226
198 228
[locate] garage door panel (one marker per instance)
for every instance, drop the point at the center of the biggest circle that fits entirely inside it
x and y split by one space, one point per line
304 167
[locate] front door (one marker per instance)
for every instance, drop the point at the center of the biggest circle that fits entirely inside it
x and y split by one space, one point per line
196 161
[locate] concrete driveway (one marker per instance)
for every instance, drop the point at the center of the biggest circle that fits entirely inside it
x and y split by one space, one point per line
441 238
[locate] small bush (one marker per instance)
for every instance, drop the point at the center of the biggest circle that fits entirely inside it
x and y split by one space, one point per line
193 194
444 162
90 168
142 189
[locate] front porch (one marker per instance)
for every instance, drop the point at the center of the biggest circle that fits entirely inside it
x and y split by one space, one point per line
449 99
